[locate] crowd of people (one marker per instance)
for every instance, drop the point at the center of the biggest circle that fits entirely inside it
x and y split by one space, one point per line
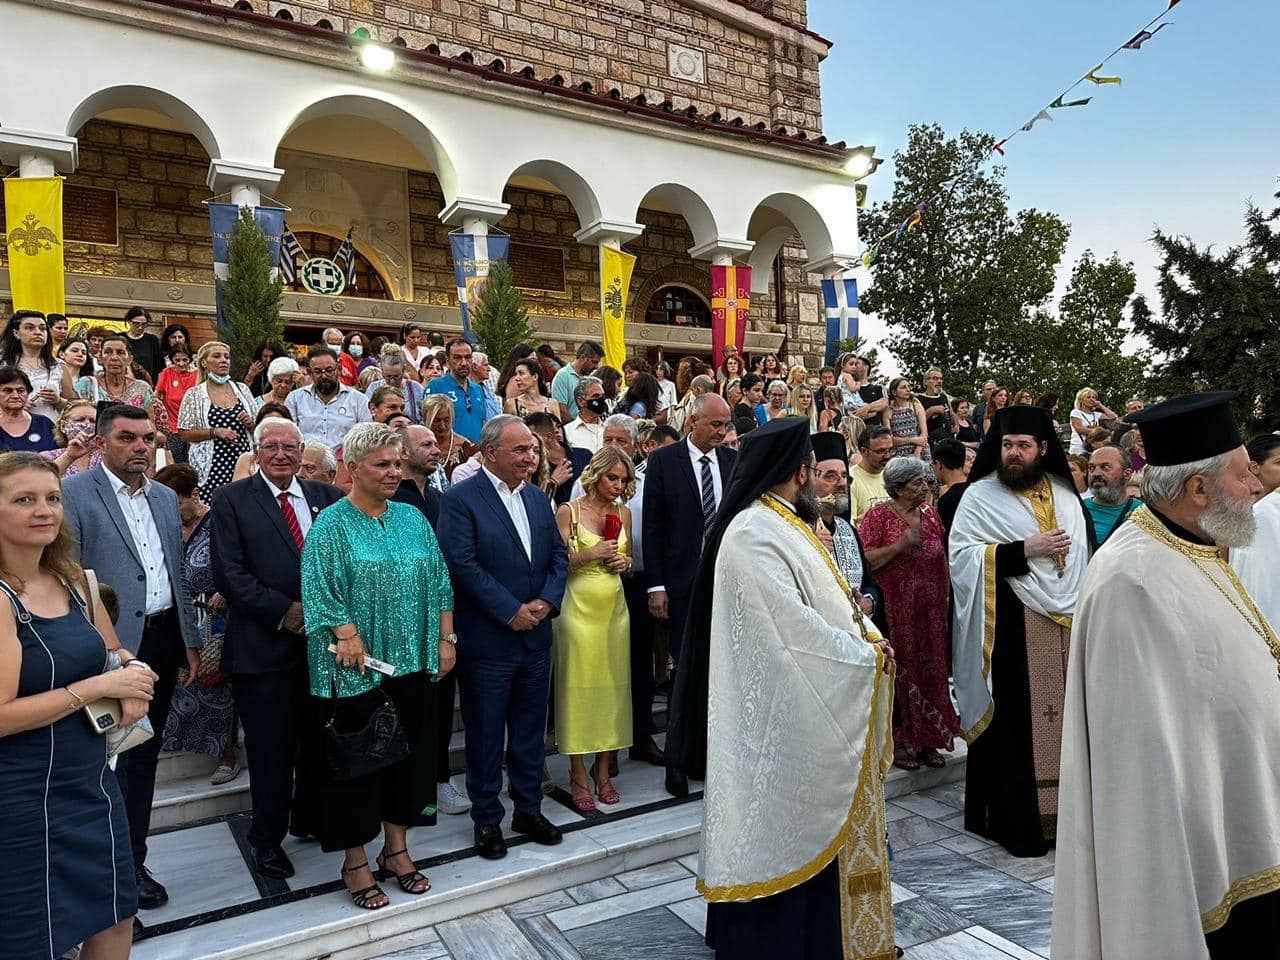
332 550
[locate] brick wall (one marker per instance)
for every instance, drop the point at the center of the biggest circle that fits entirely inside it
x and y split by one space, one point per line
164 235
609 43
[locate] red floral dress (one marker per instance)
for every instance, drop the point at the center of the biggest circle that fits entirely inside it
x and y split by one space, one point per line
916 586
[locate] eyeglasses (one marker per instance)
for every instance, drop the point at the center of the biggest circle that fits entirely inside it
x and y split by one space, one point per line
831 476
289 448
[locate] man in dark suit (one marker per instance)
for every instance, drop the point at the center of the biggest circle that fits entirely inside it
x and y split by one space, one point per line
509 566
128 532
683 486
259 525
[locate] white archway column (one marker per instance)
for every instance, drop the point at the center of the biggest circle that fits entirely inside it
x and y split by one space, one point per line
38 154
474 216
722 251
246 182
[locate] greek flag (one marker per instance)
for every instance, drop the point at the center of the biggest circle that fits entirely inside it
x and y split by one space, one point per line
840 297
345 258
291 252
472 254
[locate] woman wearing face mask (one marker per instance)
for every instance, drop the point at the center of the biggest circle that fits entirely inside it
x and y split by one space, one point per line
215 418
76 451
352 359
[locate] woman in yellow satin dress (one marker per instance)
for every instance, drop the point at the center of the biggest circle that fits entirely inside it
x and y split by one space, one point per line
592 655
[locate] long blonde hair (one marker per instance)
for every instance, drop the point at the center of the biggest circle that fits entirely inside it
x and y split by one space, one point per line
604 460
57 556
794 402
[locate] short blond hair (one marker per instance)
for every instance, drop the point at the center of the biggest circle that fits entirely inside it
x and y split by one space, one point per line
604 460
205 349
364 438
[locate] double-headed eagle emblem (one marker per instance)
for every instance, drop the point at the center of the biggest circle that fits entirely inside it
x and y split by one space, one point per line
31 237
613 298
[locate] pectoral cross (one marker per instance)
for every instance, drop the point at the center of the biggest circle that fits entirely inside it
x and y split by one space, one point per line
1049 713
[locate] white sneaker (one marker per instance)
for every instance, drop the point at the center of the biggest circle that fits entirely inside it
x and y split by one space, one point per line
449 800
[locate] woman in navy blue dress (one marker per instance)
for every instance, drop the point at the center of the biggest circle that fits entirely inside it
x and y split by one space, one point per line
67 875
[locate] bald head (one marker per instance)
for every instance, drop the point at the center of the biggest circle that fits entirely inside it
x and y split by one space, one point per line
709 421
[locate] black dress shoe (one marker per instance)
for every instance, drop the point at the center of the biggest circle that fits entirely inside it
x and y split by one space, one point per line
272 862
489 842
648 753
537 828
150 893
677 783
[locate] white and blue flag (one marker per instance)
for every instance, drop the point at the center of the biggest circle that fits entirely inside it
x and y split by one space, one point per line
840 298
472 254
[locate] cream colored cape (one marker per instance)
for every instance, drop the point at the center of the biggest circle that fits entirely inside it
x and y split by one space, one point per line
1170 796
799 735
1258 565
991 514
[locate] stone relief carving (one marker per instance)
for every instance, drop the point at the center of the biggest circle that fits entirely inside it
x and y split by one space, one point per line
686 63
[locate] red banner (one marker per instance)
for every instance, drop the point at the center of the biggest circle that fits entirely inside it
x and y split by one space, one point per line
730 304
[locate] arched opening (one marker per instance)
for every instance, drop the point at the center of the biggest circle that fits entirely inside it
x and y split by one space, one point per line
551 176
678 306
147 107
678 199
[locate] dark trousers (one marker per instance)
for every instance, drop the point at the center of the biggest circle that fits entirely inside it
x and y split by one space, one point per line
352 812
802 923
677 618
273 708
641 658
504 699
163 650
446 694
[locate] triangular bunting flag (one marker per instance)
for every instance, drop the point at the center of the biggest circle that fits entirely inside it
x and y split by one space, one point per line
999 147
1060 103
1042 115
872 254
1142 36
1092 77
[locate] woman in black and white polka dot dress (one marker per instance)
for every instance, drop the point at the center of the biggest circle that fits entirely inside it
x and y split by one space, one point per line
215 419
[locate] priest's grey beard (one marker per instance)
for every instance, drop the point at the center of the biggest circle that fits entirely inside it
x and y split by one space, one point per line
808 506
834 505
1017 477
1228 523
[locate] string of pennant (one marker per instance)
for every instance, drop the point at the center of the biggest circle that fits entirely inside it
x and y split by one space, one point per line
1060 102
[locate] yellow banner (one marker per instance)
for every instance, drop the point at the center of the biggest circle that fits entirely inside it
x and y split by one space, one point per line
615 280
33 216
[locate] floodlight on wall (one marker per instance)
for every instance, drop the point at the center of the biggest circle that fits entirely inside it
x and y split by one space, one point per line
861 162
373 56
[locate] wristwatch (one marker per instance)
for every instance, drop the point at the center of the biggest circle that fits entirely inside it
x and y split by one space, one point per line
450 638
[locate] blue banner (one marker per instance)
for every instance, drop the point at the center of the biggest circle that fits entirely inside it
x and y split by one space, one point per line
840 299
472 254
222 220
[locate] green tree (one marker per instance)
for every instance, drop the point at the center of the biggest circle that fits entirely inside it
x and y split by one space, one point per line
961 290
499 317
250 296
1220 328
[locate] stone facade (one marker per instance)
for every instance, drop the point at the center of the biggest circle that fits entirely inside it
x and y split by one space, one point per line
164 236
752 59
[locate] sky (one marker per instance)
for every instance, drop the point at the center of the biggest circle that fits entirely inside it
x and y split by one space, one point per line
1191 135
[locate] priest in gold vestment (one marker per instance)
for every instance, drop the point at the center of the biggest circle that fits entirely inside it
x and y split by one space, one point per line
1169 830
799 701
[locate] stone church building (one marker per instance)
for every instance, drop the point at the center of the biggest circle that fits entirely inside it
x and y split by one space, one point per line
689 132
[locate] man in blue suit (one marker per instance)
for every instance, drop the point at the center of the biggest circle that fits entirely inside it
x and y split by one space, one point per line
128 532
509 566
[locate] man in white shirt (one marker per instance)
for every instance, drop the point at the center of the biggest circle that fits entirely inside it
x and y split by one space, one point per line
326 409
587 429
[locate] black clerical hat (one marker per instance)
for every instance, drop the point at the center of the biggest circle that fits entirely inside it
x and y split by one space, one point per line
1024 419
1194 426
829 446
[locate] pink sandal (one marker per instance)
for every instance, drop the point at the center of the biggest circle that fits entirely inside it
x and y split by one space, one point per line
583 804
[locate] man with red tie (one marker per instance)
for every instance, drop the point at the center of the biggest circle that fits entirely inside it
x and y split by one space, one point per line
259 525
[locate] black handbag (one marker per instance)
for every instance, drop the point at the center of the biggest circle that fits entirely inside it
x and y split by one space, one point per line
379 744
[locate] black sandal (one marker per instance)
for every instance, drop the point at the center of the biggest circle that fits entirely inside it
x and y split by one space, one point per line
407 881
364 899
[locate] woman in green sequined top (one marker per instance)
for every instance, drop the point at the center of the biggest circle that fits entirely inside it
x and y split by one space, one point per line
374 581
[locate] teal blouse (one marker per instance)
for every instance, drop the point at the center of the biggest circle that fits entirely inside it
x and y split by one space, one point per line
385 575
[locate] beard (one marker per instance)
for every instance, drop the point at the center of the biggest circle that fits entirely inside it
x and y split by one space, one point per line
326 388
834 505
1109 494
1017 476
808 506
1229 523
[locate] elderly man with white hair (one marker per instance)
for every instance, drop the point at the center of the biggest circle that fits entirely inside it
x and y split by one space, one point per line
319 462
259 525
1169 830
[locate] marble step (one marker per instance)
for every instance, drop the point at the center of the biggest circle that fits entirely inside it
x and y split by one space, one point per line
328 925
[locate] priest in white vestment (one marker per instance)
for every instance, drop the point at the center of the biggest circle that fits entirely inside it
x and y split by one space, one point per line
800 699
1018 548
1169 828
1256 563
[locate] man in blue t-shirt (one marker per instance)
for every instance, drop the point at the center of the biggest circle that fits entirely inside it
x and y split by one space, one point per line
1109 474
467 395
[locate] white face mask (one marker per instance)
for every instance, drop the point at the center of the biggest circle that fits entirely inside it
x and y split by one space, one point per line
356 350
334 348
